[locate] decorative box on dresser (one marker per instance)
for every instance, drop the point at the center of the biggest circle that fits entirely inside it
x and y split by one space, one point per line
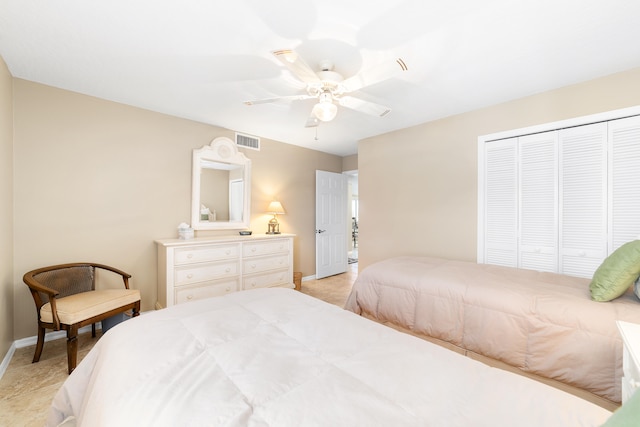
630 358
212 266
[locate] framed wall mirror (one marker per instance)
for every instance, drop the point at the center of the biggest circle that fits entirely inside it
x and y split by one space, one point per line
221 187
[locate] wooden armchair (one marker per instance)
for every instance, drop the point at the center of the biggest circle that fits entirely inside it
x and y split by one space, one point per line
66 298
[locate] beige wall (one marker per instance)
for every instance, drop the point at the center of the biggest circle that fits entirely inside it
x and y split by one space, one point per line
418 186
350 163
99 181
6 210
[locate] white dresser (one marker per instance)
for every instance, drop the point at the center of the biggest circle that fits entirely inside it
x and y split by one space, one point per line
630 358
212 266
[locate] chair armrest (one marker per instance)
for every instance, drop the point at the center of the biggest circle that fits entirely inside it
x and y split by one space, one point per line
35 289
35 286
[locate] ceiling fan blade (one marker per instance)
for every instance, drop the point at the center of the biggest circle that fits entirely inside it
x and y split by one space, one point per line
364 106
296 65
374 75
278 99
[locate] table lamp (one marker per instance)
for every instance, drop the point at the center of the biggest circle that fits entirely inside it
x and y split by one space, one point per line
274 208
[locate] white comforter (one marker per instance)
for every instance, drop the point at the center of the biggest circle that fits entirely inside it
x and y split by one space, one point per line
276 357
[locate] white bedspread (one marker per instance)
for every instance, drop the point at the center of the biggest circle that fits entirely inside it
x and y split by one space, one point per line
276 357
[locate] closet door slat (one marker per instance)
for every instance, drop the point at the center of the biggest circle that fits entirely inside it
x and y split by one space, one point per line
501 207
583 199
538 201
624 181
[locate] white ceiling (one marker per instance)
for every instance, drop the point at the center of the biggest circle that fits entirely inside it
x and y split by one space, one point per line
200 59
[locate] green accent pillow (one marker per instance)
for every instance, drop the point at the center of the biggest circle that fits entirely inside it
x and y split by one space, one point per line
616 273
628 415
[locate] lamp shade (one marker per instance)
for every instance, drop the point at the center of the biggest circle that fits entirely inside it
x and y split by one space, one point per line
275 207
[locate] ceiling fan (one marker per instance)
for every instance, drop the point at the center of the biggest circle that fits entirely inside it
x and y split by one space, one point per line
331 89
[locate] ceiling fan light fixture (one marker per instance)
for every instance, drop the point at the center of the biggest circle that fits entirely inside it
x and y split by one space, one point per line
325 109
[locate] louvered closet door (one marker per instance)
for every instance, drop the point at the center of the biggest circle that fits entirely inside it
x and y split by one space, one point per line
583 199
624 181
538 192
501 203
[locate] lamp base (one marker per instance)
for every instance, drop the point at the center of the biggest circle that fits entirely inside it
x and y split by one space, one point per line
273 226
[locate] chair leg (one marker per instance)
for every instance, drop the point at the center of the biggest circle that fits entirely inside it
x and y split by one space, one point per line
93 330
136 309
39 344
72 347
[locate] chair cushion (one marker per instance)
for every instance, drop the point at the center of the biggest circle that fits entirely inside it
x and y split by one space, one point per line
82 306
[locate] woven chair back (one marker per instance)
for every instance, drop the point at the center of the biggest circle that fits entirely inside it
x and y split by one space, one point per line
67 281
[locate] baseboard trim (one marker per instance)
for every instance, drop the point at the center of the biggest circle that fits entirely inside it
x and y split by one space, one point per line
312 277
7 359
50 336
26 342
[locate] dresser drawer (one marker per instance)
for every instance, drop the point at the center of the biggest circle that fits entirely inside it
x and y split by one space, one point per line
250 249
206 253
257 265
205 290
204 272
275 278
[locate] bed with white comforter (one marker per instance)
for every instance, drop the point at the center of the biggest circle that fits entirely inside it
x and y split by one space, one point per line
276 357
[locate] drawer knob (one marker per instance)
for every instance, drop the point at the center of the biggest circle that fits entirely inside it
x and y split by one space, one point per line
253 266
582 253
189 296
190 255
253 249
228 252
228 288
253 284
189 276
227 270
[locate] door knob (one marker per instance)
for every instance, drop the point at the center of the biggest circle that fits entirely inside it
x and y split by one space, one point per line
320 231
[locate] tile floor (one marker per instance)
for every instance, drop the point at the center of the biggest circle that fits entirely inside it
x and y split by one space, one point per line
26 389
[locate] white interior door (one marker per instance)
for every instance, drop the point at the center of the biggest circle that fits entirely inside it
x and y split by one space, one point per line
236 194
331 227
